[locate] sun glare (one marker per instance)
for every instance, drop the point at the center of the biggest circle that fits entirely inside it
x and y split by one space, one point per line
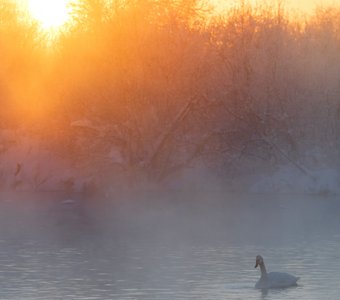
51 14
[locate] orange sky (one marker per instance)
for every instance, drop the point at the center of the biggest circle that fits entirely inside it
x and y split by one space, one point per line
301 5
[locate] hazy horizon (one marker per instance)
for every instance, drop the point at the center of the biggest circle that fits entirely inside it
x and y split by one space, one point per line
302 6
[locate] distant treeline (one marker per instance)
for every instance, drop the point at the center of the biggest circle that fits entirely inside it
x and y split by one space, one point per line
143 89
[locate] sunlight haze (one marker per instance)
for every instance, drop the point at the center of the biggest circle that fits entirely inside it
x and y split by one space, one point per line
153 149
51 14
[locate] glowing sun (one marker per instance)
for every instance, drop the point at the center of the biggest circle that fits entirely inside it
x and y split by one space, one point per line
51 14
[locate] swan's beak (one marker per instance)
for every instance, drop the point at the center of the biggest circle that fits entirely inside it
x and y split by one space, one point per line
256 265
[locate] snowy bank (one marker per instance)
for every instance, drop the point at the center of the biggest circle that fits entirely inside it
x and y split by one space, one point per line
290 180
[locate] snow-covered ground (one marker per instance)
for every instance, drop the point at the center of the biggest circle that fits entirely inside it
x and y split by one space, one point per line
288 179
25 165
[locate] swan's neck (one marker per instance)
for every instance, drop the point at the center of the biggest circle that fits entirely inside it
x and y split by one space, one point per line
263 270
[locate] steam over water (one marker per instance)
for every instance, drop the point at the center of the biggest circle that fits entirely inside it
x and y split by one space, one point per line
154 248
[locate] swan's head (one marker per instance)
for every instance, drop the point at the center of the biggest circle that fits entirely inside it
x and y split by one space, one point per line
259 261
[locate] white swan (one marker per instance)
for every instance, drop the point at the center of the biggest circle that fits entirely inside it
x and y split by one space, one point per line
273 279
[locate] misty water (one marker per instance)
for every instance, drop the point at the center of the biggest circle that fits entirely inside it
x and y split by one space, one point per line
182 246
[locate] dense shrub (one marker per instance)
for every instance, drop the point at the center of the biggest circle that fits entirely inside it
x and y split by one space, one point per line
141 90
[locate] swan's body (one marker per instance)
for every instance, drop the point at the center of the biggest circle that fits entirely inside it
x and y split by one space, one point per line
273 280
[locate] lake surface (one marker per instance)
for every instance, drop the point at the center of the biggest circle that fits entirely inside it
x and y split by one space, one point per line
167 251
